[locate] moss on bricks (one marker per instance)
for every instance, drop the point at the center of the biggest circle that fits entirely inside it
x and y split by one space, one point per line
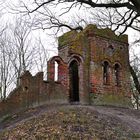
66 38
110 99
73 36
106 32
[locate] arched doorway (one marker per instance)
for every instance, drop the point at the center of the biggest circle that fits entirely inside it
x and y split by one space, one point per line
74 81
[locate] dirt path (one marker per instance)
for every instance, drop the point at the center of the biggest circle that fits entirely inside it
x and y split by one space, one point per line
129 117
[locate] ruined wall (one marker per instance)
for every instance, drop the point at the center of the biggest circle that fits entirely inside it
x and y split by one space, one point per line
33 91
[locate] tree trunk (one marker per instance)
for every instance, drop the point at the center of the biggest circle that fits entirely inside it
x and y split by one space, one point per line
137 85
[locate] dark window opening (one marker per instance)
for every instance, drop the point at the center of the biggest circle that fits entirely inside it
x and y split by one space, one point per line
121 48
110 50
106 72
25 88
74 81
117 74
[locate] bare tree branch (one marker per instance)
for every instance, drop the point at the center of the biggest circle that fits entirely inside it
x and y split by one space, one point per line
41 5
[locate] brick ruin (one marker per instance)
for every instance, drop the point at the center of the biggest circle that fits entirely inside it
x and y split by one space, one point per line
93 68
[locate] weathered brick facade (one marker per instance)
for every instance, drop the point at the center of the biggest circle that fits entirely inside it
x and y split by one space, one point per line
93 67
103 65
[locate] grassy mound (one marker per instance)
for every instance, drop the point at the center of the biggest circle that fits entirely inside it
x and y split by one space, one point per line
68 123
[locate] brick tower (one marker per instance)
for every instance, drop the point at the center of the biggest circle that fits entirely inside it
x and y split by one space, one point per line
93 65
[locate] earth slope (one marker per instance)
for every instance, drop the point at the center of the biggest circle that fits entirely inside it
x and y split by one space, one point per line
72 122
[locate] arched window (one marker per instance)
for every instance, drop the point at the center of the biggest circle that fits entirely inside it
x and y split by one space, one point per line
106 72
55 71
117 74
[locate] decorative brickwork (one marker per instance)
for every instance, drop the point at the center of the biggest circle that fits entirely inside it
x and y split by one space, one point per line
93 68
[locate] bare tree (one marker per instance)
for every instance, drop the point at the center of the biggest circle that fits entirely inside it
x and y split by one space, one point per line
6 76
22 52
19 51
135 86
41 56
135 72
120 14
17 55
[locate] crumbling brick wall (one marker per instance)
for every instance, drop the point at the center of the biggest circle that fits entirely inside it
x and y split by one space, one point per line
33 91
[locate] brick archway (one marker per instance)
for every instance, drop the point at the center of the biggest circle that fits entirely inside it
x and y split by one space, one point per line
62 70
75 86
